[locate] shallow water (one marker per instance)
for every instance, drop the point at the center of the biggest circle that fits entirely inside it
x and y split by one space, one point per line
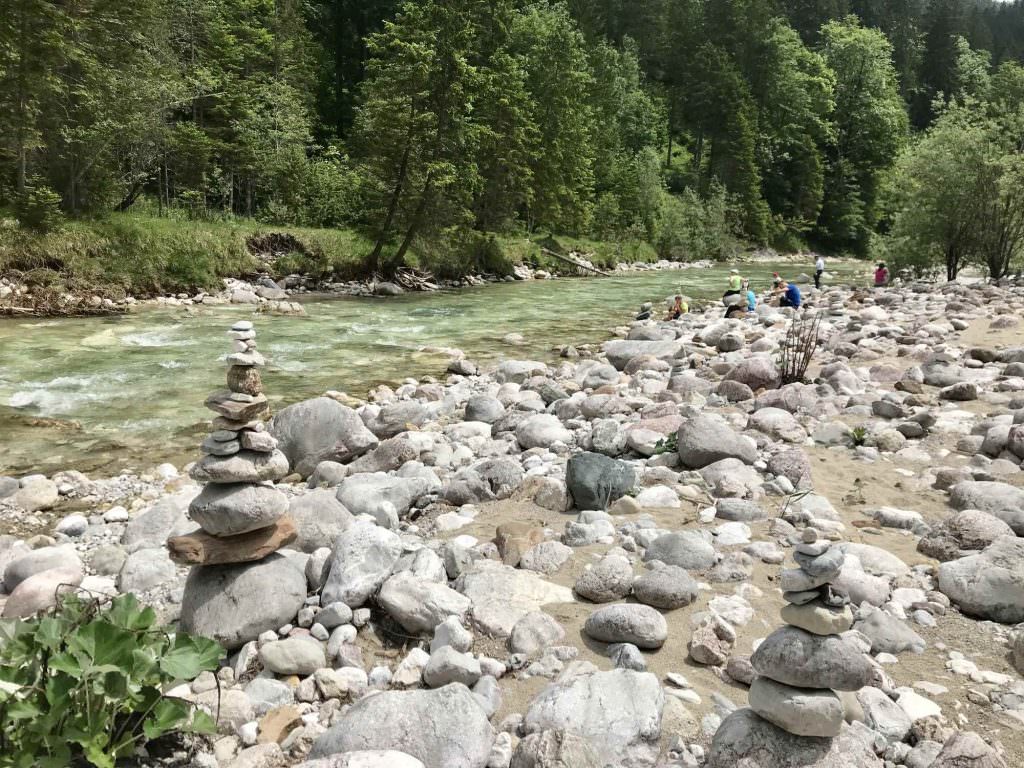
126 392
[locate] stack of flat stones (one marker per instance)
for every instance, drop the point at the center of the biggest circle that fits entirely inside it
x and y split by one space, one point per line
241 515
808 670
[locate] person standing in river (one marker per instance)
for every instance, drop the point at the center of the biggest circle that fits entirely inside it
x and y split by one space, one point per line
819 270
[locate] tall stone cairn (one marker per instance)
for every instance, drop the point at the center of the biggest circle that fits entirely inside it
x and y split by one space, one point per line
241 515
807 667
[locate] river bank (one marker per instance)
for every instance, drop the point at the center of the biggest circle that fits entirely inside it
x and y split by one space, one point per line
516 503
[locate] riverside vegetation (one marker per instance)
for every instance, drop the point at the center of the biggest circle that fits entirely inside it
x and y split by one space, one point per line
149 140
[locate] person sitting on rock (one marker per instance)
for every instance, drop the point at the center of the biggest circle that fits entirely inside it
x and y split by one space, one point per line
678 309
735 283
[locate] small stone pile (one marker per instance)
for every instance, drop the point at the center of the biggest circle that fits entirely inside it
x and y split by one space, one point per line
240 513
806 668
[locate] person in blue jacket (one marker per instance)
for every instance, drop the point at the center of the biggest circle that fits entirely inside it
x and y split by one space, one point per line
749 296
790 295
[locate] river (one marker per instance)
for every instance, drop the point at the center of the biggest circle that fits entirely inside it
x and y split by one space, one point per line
102 395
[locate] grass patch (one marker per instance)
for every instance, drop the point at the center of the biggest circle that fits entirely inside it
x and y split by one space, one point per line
145 255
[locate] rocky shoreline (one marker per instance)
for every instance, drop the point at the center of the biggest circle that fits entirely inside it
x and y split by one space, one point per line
583 564
285 296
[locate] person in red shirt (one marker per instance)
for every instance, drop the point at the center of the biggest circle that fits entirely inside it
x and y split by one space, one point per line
881 275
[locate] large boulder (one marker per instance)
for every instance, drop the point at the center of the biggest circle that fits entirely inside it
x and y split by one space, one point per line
395 418
164 519
756 372
620 351
800 659
706 439
39 592
999 499
555 749
744 740
966 749
37 561
362 559
595 480
617 712
541 431
319 519
501 595
235 603
637 624
990 584
419 605
318 430
386 498
443 728
778 424
685 549
231 509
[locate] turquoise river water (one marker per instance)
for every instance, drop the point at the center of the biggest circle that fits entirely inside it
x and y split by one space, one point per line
126 392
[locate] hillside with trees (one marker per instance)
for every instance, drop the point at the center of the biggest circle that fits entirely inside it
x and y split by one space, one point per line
436 127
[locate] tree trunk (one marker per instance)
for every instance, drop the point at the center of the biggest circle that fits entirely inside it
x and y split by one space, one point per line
130 198
414 225
396 195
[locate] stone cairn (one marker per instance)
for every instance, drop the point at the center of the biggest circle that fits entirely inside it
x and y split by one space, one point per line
241 515
807 668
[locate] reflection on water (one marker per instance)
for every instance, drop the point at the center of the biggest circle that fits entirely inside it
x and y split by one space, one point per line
127 392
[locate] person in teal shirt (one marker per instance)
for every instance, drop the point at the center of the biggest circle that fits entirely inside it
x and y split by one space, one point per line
750 297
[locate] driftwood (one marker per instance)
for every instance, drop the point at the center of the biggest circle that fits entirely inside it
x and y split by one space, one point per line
415 280
573 259
200 548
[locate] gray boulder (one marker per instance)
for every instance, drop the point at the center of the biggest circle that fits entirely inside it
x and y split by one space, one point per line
318 430
888 634
164 519
800 711
386 498
625 735
144 569
395 418
620 351
745 740
595 480
640 625
667 588
686 549
555 749
419 605
362 559
1000 499
706 439
757 372
443 728
235 603
389 455
230 509
319 519
798 658
608 580
484 408
990 584
37 561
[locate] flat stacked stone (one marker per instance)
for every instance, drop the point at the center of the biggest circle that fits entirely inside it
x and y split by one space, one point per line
806 667
241 515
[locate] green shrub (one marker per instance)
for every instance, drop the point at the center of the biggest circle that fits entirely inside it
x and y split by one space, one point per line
86 682
38 207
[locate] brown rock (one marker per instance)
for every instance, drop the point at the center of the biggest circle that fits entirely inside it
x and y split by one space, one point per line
200 548
515 539
277 724
245 379
222 404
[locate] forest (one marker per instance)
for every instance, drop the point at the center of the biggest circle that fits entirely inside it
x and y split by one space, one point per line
889 129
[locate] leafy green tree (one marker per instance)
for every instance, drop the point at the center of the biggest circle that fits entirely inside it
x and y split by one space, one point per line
414 132
871 127
559 82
